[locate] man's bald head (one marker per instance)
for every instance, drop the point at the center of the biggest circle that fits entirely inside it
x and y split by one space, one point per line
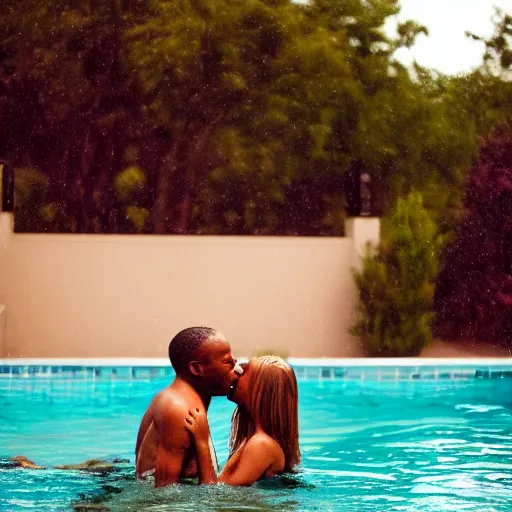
185 346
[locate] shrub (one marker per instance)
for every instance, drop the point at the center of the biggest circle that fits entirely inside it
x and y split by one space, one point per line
473 297
283 354
396 283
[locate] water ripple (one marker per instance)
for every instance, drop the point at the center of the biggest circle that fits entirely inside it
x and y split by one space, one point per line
381 447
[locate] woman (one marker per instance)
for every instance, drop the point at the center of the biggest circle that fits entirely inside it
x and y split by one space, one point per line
264 439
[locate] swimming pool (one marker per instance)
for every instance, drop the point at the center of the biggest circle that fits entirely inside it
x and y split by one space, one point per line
380 437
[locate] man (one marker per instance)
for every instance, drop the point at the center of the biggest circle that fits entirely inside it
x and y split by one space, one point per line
204 366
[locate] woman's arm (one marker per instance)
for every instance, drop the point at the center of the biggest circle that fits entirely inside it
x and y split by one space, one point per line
197 424
259 454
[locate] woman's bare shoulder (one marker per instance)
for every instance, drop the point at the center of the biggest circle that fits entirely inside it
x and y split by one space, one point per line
268 447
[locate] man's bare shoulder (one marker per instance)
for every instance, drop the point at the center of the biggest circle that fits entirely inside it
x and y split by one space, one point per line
169 401
170 404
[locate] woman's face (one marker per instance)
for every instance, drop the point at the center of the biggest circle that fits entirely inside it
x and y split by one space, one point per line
240 390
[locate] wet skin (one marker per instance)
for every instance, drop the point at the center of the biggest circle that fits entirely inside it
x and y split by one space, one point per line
163 443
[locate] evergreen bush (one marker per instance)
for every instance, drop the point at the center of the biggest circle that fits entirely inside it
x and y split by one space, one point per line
396 283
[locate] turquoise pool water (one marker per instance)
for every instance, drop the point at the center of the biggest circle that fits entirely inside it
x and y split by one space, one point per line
367 445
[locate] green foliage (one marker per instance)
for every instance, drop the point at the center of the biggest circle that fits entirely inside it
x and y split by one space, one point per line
396 283
129 182
30 189
49 212
30 186
498 48
138 216
244 116
130 186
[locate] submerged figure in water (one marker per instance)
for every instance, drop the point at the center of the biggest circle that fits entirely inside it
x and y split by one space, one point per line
264 439
204 366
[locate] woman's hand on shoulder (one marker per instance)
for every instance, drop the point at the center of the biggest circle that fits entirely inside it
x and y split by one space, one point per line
196 422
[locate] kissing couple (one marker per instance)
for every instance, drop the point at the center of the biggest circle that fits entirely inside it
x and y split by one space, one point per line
174 443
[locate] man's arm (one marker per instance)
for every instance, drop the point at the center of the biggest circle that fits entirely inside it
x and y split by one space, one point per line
173 442
143 428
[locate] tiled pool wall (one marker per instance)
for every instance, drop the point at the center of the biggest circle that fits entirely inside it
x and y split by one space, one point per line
305 369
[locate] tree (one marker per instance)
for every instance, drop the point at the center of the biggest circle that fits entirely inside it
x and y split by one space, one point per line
497 58
243 118
68 106
474 288
341 99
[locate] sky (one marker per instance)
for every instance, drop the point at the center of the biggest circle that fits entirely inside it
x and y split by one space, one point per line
446 48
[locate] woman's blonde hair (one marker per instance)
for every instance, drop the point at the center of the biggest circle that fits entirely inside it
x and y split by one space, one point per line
273 403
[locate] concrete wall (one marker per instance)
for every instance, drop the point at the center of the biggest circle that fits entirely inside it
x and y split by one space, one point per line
120 296
3 345
6 226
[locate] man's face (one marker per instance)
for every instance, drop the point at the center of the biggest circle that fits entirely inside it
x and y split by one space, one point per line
220 369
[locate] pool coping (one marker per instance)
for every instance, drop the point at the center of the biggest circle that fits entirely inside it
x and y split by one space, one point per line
361 369
294 361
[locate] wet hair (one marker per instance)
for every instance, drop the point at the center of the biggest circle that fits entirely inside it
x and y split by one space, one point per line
184 346
273 403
